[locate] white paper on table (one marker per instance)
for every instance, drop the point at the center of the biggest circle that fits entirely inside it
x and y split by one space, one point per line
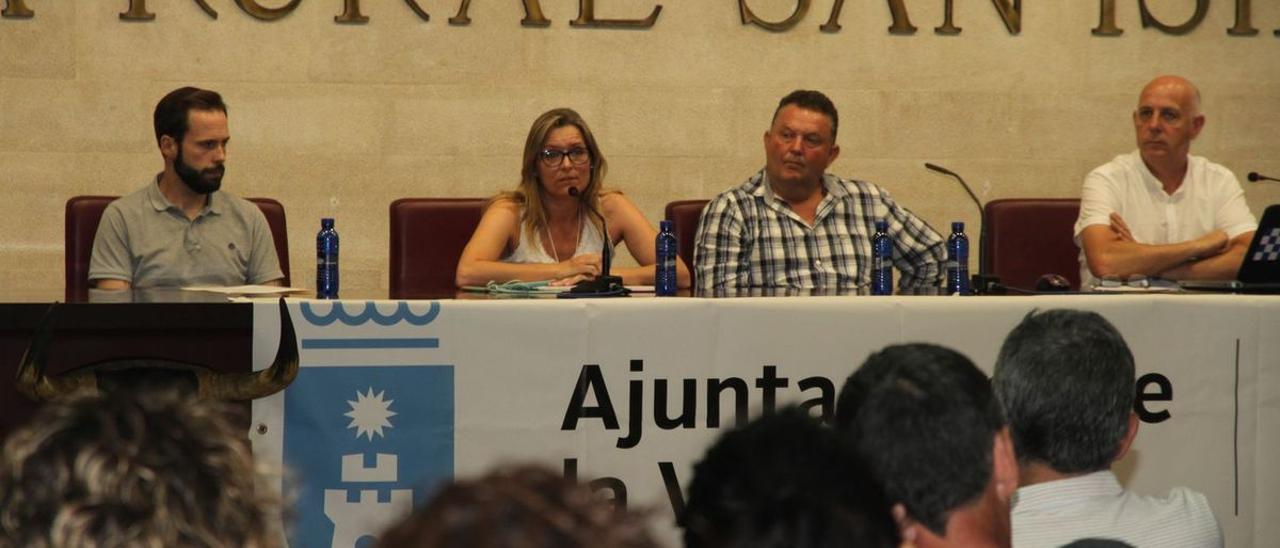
247 290
1135 289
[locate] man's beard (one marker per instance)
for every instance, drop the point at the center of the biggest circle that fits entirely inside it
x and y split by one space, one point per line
200 181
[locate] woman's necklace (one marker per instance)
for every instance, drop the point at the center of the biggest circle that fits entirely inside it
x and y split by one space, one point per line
576 237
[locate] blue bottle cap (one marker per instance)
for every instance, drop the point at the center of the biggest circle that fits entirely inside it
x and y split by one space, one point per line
882 225
957 226
326 222
665 225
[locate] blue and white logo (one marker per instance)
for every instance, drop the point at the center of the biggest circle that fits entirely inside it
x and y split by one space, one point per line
365 444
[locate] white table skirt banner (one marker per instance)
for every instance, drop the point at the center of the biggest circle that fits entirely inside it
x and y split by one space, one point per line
395 397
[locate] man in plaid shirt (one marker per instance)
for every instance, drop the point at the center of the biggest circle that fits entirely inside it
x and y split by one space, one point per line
792 225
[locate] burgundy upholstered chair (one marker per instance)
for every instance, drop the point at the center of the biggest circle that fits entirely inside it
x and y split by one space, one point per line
85 212
427 237
1030 237
684 216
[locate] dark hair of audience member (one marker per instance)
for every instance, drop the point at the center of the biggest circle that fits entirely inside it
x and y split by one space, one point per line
815 101
785 481
1066 380
1097 543
519 507
925 419
133 469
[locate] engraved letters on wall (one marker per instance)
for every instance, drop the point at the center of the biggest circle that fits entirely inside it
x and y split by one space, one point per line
1010 13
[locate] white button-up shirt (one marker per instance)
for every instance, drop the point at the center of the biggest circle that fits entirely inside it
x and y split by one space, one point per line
1210 198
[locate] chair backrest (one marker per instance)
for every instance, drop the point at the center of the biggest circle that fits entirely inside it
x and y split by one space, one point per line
82 218
85 212
684 216
427 238
1030 237
274 212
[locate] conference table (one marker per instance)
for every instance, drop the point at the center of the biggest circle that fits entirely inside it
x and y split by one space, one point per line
395 396
169 324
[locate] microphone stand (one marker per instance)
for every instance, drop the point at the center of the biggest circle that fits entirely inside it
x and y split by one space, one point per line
604 285
982 282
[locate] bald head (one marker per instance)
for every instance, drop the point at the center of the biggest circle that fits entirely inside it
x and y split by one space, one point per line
1175 86
1166 121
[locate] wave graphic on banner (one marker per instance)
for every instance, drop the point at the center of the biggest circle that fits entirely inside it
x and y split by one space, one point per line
338 312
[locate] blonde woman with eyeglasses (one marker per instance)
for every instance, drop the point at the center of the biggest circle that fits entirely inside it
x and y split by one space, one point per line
545 229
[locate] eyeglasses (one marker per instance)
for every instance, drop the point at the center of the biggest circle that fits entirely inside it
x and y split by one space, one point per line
552 157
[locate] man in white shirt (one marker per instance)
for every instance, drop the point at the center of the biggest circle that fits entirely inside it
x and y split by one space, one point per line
1158 211
1066 380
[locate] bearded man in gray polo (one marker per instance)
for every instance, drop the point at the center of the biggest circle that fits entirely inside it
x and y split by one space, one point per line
178 230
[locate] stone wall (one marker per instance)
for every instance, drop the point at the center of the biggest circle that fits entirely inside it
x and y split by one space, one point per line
340 119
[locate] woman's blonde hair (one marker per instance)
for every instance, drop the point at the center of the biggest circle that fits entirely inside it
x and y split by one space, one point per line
529 193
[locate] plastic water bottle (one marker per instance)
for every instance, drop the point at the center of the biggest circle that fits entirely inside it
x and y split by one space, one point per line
664 274
882 260
327 261
957 261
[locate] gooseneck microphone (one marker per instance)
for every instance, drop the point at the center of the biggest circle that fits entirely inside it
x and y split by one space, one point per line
1255 177
606 255
604 285
983 283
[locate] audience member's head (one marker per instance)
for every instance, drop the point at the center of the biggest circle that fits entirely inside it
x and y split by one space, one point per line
925 419
520 507
1066 379
785 481
1098 543
133 469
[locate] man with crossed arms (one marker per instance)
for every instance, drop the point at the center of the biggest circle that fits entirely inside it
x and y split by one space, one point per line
1158 211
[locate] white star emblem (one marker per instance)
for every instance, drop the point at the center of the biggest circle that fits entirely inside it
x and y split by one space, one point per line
369 414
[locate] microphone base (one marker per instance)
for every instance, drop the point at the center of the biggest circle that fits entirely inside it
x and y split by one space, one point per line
987 284
603 286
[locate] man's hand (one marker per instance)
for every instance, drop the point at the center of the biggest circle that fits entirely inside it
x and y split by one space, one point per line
1213 243
1120 228
1209 245
1112 252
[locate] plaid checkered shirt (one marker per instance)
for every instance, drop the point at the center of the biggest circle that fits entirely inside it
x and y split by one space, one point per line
748 237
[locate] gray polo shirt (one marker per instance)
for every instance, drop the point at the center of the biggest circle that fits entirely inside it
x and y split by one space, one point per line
147 241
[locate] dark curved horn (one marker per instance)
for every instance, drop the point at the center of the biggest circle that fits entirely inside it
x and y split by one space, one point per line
31 380
259 384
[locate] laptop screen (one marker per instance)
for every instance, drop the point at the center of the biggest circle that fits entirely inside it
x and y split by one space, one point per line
1262 260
